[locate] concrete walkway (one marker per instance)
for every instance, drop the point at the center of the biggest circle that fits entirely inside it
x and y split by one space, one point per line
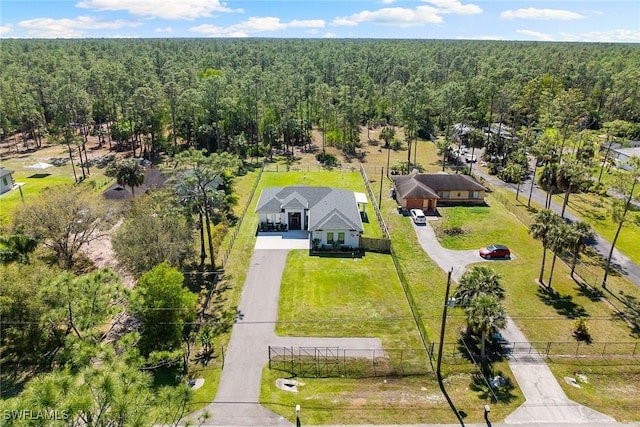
545 399
237 401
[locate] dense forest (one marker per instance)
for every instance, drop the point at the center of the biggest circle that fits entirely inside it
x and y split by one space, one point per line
249 96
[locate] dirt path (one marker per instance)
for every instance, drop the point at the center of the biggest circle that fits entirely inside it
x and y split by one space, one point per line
101 253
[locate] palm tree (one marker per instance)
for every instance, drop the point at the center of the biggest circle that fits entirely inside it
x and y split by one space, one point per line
578 234
478 280
129 173
485 315
557 243
542 224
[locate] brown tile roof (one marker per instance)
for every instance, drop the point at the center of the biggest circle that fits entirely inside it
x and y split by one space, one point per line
427 185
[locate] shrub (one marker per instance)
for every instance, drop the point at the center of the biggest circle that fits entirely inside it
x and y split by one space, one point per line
453 231
327 159
581 329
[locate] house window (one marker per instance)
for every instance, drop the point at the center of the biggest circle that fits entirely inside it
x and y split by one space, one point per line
341 238
4 181
475 195
329 237
445 194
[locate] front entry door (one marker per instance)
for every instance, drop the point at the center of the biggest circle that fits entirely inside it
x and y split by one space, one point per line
294 221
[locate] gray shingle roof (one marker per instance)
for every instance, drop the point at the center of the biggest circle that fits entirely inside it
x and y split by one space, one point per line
329 208
5 172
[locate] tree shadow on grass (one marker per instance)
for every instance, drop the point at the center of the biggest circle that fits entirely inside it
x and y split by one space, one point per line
563 304
504 393
630 314
585 290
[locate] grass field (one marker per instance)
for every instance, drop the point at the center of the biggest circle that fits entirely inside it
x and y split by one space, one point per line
344 297
390 401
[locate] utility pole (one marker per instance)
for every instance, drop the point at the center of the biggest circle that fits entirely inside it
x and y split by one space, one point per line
380 195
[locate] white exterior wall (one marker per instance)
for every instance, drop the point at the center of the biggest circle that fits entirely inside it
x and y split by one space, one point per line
6 183
351 238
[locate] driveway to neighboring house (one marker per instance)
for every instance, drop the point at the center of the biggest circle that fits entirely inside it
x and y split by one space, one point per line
545 399
237 401
619 261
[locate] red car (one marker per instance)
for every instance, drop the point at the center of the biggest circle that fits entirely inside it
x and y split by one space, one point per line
495 251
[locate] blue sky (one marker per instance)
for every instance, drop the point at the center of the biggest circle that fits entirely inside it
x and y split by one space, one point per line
540 20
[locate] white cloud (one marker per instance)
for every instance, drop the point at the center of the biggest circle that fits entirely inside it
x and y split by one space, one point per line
395 16
388 1
455 7
68 27
481 37
610 36
330 36
309 23
255 25
4 29
164 30
533 13
166 9
536 35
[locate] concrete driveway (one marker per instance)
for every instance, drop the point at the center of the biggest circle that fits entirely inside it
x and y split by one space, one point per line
447 258
296 239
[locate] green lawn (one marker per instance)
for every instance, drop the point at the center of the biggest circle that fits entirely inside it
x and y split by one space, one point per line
36 180
595 210
390 401
344 297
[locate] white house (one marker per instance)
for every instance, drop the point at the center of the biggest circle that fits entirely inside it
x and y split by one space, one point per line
624 154
6 180
330 215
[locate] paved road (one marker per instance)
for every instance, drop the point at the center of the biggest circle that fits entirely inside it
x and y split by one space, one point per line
619 261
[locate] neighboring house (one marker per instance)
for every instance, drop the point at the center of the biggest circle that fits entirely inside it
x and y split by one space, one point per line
622 155
152 179
460 131
427 190
330 215
6 180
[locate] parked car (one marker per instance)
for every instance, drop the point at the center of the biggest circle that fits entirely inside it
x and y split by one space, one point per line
471 158
495 251
417 215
